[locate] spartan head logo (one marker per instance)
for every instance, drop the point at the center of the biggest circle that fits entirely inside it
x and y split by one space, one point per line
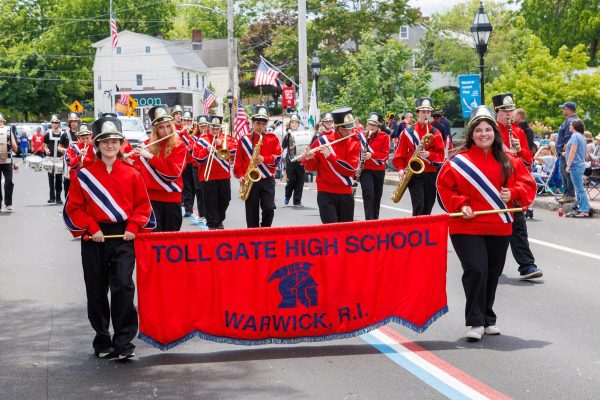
296 284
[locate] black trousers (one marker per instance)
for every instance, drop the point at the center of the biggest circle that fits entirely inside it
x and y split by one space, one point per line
198 193
6 170
55 185
519 243
110 265
66 185
187 195
217 195
168 216
482 259
334 207
371 183
262 197
295 183
422 193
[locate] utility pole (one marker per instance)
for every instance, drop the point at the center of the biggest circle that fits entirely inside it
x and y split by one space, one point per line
231 53
302 56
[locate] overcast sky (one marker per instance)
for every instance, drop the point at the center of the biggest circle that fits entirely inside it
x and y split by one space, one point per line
428 7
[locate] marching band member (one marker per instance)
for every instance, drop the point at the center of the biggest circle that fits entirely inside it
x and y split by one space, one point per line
69 136
214 172
336 165
8 146
294 170
481 177
326 127
109 198
515 142
200 129
161 165
188 174
375 146
51 140
262 193
80 154
177 117
421 186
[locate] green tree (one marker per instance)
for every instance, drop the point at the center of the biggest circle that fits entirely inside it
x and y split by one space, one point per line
564 22
540 82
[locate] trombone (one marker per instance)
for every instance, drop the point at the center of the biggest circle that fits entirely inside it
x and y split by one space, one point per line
211 157
223 153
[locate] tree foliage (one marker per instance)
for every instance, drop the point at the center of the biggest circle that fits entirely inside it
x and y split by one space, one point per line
540 82
564 23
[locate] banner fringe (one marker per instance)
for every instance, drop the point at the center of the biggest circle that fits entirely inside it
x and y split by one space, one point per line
294 340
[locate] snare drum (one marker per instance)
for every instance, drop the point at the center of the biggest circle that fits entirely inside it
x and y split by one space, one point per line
58 166
47 165
34 162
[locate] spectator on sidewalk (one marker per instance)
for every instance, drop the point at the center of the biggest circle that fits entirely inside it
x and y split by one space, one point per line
520 118
576 151
24 145
569 111
8 147
544 160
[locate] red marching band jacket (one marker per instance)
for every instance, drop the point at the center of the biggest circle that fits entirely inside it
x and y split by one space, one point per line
473 178
186 138
335 174
270 150
162 173
378 144
73 157
220 169
96 196
518 133
410 139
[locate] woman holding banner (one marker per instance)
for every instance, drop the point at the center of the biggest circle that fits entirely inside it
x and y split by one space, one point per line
161 161
482 176
108 205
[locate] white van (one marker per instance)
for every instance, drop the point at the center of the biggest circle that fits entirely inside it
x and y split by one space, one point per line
133 129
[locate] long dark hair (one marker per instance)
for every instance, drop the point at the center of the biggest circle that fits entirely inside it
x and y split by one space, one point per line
497 148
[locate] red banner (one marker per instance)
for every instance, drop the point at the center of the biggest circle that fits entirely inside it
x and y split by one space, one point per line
288 96
287 285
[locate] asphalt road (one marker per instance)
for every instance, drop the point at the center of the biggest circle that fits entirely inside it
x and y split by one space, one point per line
548 348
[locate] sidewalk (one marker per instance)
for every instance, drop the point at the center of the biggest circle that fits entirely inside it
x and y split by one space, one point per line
545 202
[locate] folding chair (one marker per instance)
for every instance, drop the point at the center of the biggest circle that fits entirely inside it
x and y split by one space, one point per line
593 184
543 181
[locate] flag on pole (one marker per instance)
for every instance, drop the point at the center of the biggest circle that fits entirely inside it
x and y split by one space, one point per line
265 75
124 99
209 99
113 28
241 122
313 107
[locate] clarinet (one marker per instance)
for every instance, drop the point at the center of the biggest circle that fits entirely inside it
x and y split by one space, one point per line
510 134
361 165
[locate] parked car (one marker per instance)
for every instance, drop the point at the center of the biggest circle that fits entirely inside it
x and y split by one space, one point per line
28 128
133 129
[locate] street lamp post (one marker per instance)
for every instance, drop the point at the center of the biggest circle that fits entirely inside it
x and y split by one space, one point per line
481 30
230 105
316 70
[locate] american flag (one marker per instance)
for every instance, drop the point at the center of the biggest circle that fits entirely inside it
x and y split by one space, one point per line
265 75
241 122
209 99
124 99
113 28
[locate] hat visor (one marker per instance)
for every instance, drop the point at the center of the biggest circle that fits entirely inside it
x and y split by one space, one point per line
506 108
105 136
83 133
349 125
260 118
215 125
374 123
425 108
482 118
162 119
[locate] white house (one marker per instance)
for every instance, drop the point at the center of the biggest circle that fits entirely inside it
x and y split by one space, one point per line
152 70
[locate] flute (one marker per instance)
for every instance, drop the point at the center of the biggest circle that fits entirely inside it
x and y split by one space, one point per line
145 146
321 147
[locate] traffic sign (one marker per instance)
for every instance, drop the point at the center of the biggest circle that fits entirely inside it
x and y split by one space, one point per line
469 93
76 107
133 102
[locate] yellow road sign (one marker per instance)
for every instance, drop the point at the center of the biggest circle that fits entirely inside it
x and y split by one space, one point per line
76 107
133 102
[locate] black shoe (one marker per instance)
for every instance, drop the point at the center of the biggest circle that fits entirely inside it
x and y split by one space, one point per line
59 201
220 226
51 201
187 214
108 353
127 354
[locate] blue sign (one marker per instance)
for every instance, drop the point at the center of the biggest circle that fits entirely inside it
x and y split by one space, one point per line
470 97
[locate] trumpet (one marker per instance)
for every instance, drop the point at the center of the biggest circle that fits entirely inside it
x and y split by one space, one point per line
320 148
415 166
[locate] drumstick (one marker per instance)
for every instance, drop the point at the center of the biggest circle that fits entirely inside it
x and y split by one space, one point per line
87 237
485 212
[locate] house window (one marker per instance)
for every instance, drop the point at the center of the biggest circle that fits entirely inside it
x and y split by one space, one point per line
197 82
118 50
404 32
182 79
138 79
203 81
147 49
188 80
99 82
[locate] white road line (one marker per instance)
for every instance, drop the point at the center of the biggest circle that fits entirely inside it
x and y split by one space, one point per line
564 248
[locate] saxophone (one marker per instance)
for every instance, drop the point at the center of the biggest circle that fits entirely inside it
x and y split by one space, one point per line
415 166
252 173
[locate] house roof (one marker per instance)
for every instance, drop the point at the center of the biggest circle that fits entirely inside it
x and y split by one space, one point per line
213 51
183 55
